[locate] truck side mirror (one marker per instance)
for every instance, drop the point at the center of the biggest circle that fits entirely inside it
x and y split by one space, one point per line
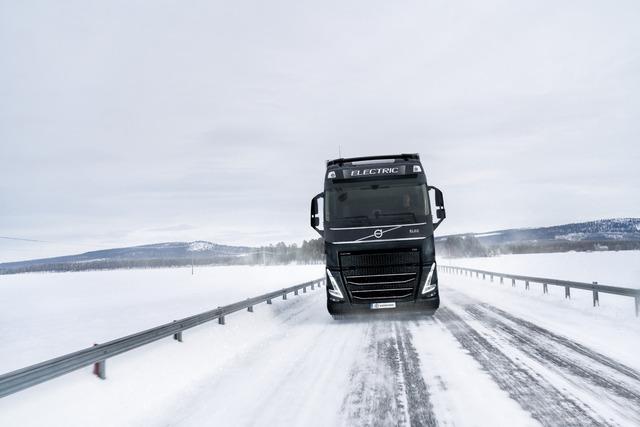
315 218
440 211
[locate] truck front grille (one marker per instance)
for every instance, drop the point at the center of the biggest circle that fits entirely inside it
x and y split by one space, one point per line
380 276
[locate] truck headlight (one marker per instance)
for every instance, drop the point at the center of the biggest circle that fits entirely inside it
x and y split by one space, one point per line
334 290
428 287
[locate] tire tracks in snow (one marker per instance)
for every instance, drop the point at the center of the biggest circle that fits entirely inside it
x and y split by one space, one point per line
419 406
578 364
571 345
387 383
536 395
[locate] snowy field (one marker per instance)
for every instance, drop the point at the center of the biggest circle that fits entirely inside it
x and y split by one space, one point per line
620 268
93 307
492 355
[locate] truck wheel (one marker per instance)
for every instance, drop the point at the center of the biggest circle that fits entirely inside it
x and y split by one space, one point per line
332 311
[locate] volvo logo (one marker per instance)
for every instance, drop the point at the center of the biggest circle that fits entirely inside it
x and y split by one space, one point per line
377 234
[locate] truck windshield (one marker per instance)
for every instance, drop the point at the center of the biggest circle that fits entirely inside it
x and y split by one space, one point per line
376 203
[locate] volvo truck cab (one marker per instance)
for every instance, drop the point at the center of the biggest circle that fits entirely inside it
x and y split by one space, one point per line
377 226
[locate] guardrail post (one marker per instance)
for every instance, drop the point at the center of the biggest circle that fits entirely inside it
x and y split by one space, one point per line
269 301
501 280
513 283
304 289
596 299
284 296
221 320
295 292
250 309
178 335
526 285
545 288
100 368
482 276
567 292
312 286
492 278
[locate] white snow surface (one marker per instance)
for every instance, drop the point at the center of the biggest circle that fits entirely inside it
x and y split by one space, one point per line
97 306
292 364
200 246
494 233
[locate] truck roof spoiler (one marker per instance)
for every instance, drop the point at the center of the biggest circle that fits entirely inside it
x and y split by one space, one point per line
403 157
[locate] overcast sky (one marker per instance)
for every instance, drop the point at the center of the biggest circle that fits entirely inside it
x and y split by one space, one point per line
133 122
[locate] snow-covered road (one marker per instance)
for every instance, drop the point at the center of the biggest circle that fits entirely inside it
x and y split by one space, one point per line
405 370
473 363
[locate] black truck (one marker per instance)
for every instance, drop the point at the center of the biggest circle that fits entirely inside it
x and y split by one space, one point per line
378 234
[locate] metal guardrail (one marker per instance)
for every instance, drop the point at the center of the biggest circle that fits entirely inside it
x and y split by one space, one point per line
97 355
594 287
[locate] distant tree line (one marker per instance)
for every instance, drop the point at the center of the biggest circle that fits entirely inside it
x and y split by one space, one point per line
468 246
310 252
461 247
551 246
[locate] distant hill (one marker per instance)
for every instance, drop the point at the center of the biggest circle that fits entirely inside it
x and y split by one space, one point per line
604 234
155 255
173 254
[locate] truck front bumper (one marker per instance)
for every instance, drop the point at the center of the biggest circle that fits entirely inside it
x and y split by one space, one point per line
423 305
